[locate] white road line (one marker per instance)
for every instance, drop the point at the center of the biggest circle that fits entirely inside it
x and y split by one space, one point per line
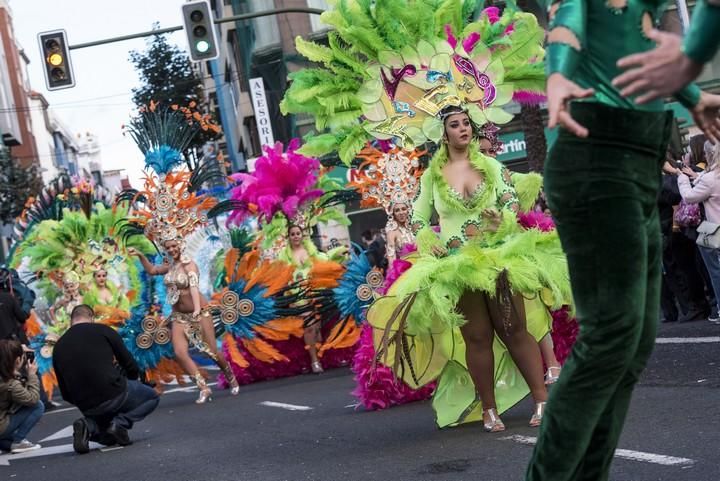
352 405
65 448
187 388
687 340
55 411
170 391
620 453
289 407
62 434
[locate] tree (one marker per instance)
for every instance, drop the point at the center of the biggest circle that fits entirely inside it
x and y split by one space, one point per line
16 186
167 77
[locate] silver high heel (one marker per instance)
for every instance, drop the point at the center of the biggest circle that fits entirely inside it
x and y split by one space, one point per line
537 416
316 367
549 377
495 424
205 391
232 380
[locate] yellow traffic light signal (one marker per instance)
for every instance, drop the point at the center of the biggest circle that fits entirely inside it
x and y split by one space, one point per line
55 53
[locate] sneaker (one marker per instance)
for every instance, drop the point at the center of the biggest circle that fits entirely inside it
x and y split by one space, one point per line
81 436
23 446
120 434
714 320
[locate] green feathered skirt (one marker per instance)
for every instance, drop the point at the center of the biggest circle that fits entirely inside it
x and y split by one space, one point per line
416 326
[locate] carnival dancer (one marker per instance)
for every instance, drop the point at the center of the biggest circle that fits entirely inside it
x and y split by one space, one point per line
284 192
602 183
62 248
172 210
388 180
431 76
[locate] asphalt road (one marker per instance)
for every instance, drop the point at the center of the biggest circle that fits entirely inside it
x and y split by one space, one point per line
672 433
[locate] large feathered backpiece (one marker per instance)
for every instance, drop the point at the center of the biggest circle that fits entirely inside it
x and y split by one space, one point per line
392 66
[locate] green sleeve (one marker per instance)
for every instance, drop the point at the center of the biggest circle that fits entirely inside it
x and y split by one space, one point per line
703 38
507 198
561 57
425 238
689 96
423 203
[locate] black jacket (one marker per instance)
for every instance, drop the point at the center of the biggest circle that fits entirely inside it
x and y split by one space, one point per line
92 365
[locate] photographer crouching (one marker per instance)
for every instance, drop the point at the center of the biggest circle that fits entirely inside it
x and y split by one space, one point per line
20 405
97 373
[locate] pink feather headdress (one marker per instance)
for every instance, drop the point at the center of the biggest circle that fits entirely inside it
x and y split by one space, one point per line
281 182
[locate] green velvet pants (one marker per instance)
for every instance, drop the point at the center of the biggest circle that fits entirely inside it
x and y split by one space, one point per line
602 192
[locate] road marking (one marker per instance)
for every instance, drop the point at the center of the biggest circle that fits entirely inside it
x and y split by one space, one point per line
62 434
620 453
186 389
55 411
352 405
687 340
65 448
289 407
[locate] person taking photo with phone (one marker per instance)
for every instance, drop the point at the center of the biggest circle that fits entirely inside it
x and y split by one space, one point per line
20 405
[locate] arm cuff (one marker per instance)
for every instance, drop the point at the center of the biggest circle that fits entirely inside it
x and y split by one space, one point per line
562 59
689 96
703 38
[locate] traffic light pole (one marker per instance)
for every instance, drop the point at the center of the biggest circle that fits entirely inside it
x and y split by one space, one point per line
234 18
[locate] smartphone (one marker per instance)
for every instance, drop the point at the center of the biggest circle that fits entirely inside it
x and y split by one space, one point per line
30 356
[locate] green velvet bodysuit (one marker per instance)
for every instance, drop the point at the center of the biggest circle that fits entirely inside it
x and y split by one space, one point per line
594 65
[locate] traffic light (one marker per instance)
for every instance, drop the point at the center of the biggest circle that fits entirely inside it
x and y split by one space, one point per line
56 56
200 30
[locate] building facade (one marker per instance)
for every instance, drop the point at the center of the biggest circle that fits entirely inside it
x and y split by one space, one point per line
15 94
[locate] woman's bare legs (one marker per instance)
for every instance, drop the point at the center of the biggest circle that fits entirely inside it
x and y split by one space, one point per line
548 355
312 339
180 347
207 329
522 346
478 335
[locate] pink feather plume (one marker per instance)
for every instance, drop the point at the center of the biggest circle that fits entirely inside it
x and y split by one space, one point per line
282 182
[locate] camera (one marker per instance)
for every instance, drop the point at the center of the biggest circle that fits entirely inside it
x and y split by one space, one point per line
679 164
29 356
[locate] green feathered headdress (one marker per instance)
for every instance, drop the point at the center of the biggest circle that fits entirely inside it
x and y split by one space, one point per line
391 66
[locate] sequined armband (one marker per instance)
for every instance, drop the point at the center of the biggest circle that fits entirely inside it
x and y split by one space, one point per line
193 279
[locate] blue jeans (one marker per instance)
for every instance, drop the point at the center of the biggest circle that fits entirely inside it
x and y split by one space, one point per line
133 406
712 262
20 424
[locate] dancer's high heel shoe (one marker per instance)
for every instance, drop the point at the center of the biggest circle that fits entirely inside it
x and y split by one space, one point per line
232 380
552 375
317 367
205 391
537 416
494 424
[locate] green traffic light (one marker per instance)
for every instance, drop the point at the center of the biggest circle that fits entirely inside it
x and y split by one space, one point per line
202 46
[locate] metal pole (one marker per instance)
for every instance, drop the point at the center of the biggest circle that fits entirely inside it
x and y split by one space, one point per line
235 18
682 9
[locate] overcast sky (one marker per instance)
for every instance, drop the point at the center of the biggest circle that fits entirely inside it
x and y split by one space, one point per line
100 102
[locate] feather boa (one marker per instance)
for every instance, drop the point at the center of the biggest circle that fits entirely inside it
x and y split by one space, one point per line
378 388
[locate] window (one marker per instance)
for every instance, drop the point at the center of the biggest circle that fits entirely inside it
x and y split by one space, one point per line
266 28
315 22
